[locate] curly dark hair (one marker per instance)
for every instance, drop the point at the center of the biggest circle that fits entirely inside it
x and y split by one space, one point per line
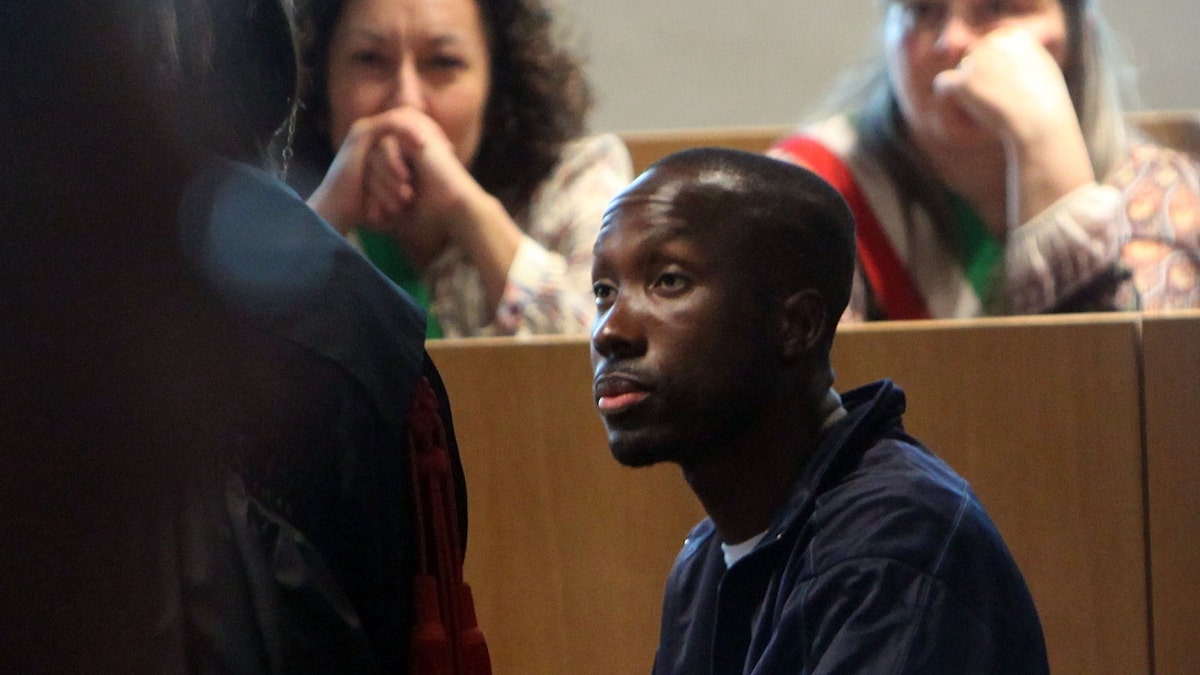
537 103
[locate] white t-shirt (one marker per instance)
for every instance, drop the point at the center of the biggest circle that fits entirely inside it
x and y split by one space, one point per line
832 407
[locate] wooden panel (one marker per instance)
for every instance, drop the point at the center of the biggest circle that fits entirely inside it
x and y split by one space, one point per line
1179 129
1171 345
1042 417
647 146
569 551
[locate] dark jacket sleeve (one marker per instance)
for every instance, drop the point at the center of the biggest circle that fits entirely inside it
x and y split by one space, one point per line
881 616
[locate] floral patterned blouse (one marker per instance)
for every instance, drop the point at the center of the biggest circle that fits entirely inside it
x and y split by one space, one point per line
549 288
1129 242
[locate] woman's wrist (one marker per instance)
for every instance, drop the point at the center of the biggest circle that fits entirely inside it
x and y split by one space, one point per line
323 206
1043 169
483 228
471 211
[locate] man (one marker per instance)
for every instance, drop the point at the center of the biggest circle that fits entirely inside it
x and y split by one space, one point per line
835 543
205 394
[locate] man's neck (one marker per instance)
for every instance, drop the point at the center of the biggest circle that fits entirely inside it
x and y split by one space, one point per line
744 485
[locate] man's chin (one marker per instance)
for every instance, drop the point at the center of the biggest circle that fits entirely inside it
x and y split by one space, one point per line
637 450
635 460
634 452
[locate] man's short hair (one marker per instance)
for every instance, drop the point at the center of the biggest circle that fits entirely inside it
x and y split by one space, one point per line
803 229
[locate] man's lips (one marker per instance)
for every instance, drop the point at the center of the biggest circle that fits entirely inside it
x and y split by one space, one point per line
616 392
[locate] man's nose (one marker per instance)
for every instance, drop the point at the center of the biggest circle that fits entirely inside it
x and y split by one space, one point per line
619 331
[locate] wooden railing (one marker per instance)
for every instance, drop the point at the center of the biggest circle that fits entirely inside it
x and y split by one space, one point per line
647 146
1178 129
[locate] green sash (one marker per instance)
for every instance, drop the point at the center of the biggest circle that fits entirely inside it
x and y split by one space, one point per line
389 258
979 252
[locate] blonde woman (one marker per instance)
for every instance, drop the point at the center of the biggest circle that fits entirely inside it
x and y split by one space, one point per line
986 159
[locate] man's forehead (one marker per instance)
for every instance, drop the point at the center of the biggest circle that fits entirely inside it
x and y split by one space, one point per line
642 204
679 185
652 218
679 197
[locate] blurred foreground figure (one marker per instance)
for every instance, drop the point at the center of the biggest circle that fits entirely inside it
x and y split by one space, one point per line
204 391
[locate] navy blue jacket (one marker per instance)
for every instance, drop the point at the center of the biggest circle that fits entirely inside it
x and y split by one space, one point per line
882 561
316 361
203 442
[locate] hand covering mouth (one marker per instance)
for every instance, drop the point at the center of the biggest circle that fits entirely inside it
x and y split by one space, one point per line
615 392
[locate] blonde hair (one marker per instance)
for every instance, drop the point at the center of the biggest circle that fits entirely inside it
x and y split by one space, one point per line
1098 81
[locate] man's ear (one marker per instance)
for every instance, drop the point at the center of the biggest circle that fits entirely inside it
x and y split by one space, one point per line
804 321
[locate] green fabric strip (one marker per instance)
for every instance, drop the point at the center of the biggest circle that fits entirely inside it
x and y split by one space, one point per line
383 251
979 252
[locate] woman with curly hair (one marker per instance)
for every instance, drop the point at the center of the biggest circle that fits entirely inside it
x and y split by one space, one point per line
986 157
446 139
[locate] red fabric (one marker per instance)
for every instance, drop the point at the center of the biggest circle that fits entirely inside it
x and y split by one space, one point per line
889 279
446 637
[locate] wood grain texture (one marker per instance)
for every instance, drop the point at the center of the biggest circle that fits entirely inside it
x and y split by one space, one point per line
568 551
1171 348
645 147
1179 129
1042 417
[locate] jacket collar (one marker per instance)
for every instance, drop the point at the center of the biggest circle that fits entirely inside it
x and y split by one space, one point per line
869 410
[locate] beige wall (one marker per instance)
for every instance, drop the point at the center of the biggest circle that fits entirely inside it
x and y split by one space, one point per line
697 63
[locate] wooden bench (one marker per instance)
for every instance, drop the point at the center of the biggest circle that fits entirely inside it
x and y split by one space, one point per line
1178 129
647 146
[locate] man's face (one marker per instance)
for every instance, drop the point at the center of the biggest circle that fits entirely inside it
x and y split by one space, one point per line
680 351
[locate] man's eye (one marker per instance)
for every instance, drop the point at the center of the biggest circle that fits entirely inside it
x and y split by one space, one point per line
602 291
671 282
